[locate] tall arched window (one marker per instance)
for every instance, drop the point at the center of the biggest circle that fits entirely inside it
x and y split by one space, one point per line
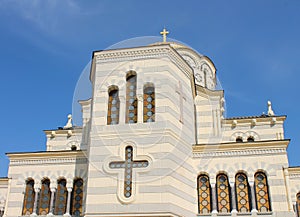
298 204
131 99
149 103
262 192
242 193
77 197
28 197
113 107
223 194
204 194
44 200
61 197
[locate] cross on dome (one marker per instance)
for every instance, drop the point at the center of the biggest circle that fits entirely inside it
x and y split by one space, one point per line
164 33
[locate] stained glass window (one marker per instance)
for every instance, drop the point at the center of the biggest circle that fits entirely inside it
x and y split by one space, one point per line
44 200
61 197
149 104
242 193
204 194
298 205
262 192
131 99
28 198
113 107
77 197
223 194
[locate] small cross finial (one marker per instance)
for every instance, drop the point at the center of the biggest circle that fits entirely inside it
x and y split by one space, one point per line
164 33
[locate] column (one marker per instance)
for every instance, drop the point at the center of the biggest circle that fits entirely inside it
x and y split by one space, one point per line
295 209
122 112
253 196
287 184
140 98
67 214
53 190
233 198
37 191
214 198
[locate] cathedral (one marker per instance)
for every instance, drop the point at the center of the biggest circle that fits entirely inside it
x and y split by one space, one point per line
155 141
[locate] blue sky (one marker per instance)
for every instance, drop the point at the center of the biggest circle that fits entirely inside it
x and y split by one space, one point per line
46 44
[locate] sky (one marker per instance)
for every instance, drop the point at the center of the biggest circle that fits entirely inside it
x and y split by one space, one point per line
45 46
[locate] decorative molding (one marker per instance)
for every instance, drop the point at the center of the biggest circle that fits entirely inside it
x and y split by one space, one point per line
158 51
71 160
239 153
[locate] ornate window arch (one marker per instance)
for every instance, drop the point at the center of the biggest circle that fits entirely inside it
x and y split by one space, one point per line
262 192
77 197
44 197
149 103
223 193
239 139
204 194
29 197
242 193
250 139
113 106
131 98
61 197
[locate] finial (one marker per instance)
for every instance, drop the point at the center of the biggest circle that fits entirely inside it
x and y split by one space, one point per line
164 33
270 111
69 123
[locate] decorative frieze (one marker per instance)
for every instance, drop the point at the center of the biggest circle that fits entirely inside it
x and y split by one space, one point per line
210 154
72 160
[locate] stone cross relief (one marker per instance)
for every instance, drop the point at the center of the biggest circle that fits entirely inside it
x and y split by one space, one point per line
181 98
127 167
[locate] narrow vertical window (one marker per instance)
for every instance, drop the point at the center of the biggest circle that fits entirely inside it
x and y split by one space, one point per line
242 193
298 205
44 200
131 99
262 192
77 198
113 107
28 198
204 194
149 104
61 197
223 194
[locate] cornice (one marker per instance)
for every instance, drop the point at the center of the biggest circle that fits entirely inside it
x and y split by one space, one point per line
57 161
129 54
249 119
294 172
202 91
46 154
240 149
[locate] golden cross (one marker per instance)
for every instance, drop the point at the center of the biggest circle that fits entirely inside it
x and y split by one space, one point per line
164 34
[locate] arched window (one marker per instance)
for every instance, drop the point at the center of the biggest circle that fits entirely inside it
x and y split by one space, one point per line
28 197
113 107
242 193
262 192
223 194
77 197
239 139
298 204
61 197
250 139
149 104
44 200
131 99
204 194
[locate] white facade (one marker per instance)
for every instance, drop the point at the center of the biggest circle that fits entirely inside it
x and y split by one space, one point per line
189 138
